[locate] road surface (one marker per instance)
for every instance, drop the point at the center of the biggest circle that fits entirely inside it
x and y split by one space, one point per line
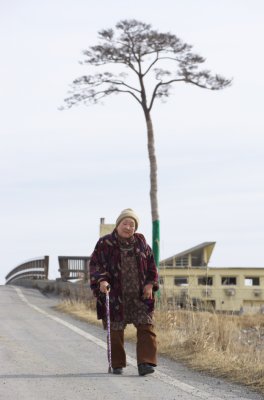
46 355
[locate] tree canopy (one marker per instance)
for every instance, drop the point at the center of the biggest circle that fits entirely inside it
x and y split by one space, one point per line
162 59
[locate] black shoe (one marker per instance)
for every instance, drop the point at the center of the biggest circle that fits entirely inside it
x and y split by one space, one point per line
144 369
118 371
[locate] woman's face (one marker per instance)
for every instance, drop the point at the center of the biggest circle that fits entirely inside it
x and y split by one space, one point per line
126 228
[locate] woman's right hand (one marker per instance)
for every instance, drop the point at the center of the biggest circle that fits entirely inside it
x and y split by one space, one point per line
104 286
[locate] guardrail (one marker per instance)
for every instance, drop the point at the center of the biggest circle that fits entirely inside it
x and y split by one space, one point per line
74 267
37 268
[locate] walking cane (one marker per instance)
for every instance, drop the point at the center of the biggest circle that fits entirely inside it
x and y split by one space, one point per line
108 329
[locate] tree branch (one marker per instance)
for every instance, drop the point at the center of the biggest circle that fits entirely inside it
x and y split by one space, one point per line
123 84
94 96
150 66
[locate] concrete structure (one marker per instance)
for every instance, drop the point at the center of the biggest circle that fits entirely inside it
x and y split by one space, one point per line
187 280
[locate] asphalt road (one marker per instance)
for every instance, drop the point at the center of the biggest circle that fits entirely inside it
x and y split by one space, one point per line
46 355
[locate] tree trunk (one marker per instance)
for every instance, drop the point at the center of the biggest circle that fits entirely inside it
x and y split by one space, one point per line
153 190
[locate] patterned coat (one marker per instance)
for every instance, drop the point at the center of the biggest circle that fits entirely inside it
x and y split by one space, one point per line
105 265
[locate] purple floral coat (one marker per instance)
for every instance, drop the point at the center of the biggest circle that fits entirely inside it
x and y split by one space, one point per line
105 265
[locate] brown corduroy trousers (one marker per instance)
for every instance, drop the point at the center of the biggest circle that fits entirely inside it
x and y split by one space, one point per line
146 346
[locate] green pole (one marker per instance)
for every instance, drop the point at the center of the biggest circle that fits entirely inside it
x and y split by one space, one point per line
156 241
156 245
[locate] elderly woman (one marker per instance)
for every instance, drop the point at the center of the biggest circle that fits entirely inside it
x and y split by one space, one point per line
124 260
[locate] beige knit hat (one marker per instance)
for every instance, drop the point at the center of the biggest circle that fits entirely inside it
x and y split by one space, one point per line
128 213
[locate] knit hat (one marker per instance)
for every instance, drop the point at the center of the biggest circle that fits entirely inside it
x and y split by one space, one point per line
128 213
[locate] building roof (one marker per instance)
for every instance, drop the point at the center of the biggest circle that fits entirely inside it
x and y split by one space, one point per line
197 256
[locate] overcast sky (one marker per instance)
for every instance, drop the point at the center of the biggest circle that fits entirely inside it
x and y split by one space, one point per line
61 171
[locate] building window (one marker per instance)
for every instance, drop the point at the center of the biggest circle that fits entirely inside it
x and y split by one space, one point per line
180 281
252 281
182 262
161 280
228 280
205 280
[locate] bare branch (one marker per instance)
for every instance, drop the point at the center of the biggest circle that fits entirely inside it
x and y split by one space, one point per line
116 82
165 90
91 89
151 65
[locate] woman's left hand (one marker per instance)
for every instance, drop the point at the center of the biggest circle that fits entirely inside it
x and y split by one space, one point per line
147 292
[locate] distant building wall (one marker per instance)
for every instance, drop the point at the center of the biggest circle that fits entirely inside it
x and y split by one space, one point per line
224 289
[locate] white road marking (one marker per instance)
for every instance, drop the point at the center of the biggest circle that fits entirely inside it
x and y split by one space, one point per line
132 361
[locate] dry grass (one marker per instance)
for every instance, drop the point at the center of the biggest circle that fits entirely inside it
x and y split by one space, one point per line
86 312
223 345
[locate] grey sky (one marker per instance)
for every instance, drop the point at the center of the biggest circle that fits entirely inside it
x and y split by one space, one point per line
61 171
